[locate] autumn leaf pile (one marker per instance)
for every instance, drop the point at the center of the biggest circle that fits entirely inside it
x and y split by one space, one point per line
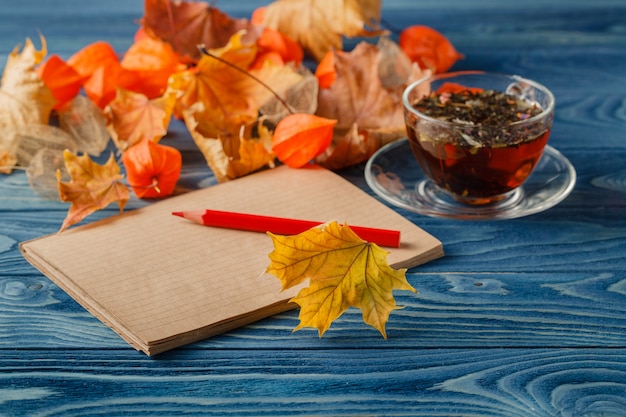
275 87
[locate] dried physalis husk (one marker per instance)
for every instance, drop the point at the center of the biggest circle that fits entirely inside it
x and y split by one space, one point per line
30 139
301 97
41 172
84 121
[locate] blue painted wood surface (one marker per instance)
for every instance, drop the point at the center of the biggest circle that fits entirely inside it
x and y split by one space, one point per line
524 317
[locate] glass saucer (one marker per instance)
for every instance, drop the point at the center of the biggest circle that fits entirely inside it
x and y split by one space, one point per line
394 175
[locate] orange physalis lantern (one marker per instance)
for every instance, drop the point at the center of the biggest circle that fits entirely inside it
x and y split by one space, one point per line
64 82
325 71
429 48
299 138
152 169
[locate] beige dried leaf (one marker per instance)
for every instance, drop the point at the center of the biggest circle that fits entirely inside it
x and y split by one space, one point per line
24 98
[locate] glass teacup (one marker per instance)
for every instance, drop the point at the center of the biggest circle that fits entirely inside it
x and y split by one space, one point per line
477 136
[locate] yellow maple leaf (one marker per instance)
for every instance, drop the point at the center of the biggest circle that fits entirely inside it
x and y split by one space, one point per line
318 25
93 187
343 271
132 117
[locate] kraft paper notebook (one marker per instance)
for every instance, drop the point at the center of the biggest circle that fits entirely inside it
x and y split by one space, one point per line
161 281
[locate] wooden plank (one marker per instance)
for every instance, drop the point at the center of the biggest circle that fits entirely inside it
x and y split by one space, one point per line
453 309
355 382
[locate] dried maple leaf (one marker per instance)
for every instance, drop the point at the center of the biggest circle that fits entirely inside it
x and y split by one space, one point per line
185 25
93 187
343 271
233 151
365 98
220 99
24 97
133 117
318 25
253 153
227 91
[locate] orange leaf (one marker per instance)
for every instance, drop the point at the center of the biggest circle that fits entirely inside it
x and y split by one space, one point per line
93 187
153 61
64 82
299 138
152 169
343 271
185 25
132 117
429 48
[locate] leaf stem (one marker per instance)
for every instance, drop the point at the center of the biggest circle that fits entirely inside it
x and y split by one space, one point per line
206 52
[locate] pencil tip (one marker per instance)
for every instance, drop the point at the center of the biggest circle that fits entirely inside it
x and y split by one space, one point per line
178 213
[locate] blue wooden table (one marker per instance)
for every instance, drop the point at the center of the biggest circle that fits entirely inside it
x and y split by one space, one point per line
523 317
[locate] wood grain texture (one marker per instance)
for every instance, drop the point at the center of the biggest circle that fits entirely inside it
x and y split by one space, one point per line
381 382
524 317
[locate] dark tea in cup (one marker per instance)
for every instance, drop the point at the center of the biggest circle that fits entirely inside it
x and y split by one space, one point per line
476 135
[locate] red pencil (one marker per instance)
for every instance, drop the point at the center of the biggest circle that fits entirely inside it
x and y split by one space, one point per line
281 225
